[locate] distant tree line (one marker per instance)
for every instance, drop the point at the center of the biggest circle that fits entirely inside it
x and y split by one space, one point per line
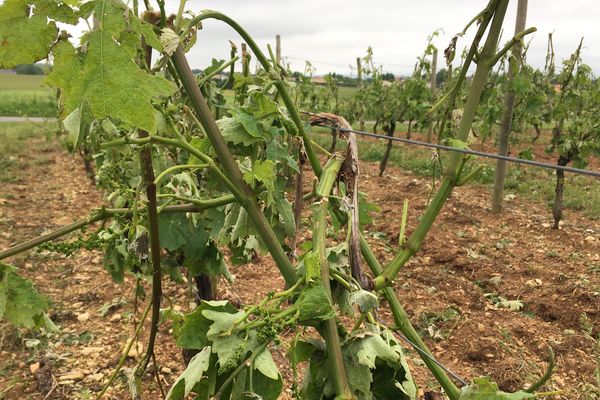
30 69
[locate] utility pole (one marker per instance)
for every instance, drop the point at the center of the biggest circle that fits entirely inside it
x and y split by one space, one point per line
509 105
361 119
432 83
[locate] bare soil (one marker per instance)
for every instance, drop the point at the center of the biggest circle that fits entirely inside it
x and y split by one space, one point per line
457 290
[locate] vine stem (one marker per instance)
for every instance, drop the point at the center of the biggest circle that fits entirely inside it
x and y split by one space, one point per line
279 82
218 70
452 172
180 11
106 213
243 192
230 77
402 322
331 336
153 226
177 168
125 352
450 97
544 378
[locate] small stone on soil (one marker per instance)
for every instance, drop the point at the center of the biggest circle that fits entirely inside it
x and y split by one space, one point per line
71 376
86 351
34 367
83 317
115 317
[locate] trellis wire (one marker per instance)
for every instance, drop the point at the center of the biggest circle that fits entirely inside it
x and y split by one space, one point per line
579 171
426 354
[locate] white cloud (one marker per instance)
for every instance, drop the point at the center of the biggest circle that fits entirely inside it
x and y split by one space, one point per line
333 33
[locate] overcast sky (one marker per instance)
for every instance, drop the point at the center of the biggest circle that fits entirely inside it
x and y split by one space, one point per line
331 34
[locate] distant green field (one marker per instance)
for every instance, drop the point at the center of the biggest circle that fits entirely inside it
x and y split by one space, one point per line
24 95
22 83
346 92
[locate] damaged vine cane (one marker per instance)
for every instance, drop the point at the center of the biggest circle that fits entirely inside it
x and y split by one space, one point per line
348 174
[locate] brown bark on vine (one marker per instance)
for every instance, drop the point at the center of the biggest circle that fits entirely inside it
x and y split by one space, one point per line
390 132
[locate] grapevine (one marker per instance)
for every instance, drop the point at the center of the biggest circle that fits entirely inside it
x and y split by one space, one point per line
189 178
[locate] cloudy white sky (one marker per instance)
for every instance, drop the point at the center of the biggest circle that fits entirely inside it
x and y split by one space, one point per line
331 34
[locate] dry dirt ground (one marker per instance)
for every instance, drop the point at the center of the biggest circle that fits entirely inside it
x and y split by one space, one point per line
489 293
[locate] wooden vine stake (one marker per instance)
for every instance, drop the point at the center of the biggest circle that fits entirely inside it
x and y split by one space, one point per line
509 106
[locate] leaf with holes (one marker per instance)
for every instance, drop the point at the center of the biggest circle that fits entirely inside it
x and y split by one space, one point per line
24 38
108 79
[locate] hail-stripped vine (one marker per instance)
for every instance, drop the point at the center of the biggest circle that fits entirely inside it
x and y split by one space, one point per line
222 183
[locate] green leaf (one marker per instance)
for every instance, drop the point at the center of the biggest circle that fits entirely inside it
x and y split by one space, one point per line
366 301
317 384
359 378
57 10
301 351
382 355
193 333
265 387
459 144
526 154
314 305
365 208
24 39
193 374
177 232
146 30
385 384
211 262
279 153
372 347
312 266
261 106
485 389
234 132
77 123
111 16
262 171
202 145
249 122
222 321
265 364
230 350
20 303
286 215
108 79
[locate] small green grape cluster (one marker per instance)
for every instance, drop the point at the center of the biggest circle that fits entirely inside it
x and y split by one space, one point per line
271 330
233 361
93 242
289 126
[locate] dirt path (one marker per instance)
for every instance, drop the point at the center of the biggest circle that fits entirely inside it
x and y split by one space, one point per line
94 314
473 266
25 119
